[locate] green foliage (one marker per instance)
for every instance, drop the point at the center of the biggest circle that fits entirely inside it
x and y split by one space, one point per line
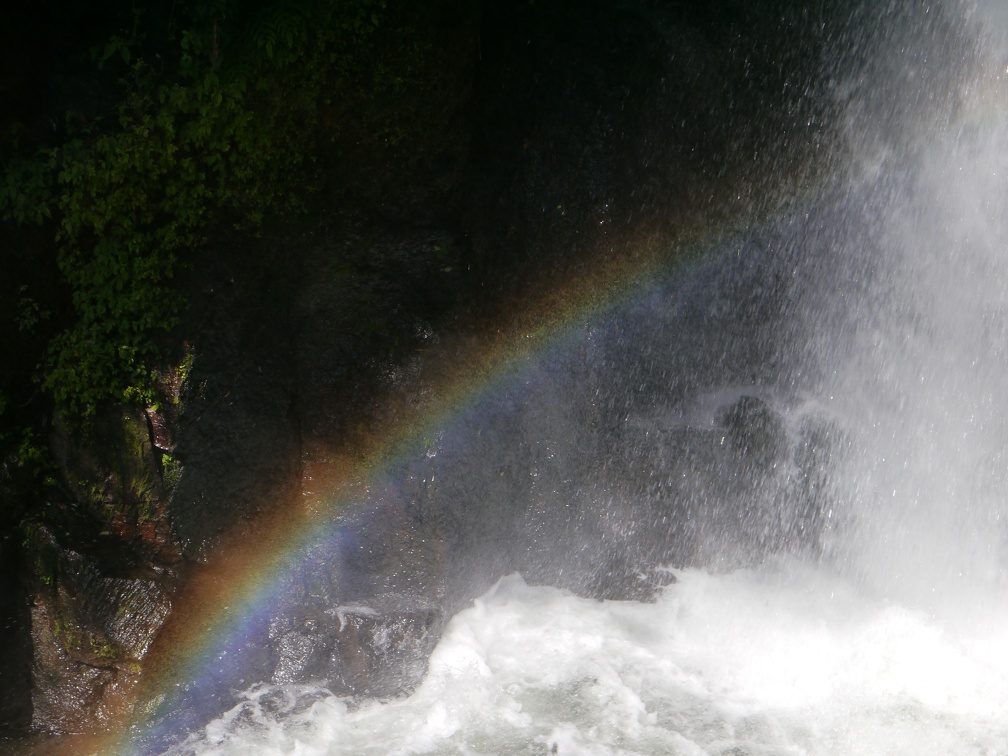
171 472
224 139
129 199
26 191
32 458
181 374
28 472
29 313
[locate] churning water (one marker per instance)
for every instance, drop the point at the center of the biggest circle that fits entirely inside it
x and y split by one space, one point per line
809 429
780 660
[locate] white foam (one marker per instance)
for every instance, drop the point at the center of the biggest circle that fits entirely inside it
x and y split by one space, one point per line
783 660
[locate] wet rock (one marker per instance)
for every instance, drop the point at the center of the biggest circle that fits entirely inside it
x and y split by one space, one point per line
237 442
76 688
90 633
383 646
117 484
365 605
377 648
821 449
624 580
128 611
160 432
755 431
98 563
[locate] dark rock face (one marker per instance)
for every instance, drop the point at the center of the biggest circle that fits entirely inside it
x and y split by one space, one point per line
237 437
72 691
97 574
15 639
363 310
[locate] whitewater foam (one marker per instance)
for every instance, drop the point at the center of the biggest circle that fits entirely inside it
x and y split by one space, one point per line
783 659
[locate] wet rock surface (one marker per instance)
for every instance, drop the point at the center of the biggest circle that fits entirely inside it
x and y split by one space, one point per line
90 633
374 649
95 578
755 431
237 437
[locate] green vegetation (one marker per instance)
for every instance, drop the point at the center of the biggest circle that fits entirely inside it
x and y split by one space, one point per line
216 126
171 472
180 137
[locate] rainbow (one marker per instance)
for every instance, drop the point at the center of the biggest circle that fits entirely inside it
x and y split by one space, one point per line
222 602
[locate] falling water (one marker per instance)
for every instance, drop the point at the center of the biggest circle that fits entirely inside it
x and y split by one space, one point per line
807 429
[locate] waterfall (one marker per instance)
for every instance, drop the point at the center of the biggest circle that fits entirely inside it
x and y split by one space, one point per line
761 505
909 321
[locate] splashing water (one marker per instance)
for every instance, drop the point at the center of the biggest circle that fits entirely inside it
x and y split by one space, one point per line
811 428
782 660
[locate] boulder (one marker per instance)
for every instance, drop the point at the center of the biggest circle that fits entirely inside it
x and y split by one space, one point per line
755 431
377 648
90 632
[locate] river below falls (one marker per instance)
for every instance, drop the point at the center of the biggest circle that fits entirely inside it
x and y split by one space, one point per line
783 659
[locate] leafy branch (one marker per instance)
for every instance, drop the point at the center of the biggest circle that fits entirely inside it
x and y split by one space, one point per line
228 137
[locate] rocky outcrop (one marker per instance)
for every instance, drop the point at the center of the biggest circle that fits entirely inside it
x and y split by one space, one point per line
90 632
98 569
